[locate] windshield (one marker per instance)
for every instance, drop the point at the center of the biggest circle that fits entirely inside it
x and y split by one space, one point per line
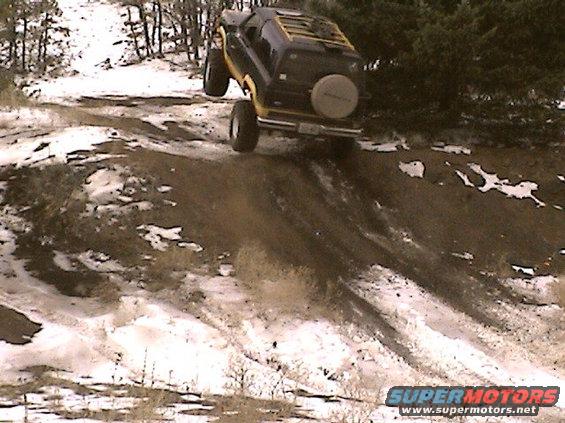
306 68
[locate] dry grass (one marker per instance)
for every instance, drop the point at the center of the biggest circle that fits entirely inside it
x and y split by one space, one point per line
286 288
107 292
12 97
241 377
167 268
239 409
363 399
147 409
351 415
503 269
149 404
50 191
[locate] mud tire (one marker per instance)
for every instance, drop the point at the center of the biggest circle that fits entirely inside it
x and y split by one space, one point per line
244 132
216 74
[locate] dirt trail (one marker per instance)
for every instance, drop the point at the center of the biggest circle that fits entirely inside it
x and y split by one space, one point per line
407 273
338 218
304 209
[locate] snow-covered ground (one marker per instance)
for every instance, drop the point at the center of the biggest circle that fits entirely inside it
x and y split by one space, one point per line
168 339
146 339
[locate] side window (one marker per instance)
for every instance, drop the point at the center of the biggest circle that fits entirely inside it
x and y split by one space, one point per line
251 27
263 48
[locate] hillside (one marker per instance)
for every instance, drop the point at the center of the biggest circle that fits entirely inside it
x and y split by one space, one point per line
149 272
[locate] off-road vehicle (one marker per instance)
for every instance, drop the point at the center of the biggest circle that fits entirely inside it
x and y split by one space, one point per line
301 72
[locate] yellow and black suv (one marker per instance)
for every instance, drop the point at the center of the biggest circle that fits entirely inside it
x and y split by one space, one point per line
302 74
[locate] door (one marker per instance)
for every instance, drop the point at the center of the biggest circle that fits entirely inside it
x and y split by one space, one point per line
240 44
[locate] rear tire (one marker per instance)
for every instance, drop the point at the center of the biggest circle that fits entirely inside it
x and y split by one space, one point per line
342 147
216 74
244 132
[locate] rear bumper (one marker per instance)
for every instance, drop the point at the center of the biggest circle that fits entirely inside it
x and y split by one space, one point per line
313 129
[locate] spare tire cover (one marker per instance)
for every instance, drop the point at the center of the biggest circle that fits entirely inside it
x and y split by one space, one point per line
335 96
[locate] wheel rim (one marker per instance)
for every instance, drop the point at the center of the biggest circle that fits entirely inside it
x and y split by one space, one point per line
207 72
234 127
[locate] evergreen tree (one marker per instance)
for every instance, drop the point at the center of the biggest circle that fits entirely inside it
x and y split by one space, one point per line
444 59
488 58
525 58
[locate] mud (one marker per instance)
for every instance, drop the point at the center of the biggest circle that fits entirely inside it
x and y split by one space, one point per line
335 218
279 202
16 328
136 125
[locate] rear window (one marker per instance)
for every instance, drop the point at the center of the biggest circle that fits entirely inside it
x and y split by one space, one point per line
308 67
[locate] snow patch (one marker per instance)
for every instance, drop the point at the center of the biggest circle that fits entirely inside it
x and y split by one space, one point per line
52 148
452 149
456 346
99 262
523 190
158 236
226 270
413 169
523 269
464 256
28 117
93 47
541 289
192 246
465 179
63 261
104 186
164 189
148 79
386 147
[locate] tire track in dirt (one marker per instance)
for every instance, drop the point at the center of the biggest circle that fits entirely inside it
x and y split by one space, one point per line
335 219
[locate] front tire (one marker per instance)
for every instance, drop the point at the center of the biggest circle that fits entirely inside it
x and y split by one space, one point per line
244 132
216 74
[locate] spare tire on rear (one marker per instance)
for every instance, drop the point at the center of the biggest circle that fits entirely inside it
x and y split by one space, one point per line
335 96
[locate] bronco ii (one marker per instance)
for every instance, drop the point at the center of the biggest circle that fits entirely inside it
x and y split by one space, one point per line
302 73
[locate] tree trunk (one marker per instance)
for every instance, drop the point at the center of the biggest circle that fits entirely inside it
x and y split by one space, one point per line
154 26
13 36
197 30
160 26
24 46
143 19
209 27
45 43
184 28
134 35
39 47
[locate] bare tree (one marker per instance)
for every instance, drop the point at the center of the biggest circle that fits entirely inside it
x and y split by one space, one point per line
177 25
25 35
